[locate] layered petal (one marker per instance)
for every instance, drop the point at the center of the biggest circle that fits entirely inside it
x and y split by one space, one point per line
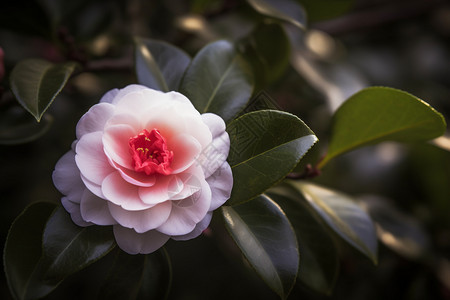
73 209
95 119
185 150
139 243
94 209
164 188
199 228
221 184
115 143
213 156
66 177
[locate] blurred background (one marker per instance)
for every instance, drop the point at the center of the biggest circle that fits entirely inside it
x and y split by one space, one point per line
348 45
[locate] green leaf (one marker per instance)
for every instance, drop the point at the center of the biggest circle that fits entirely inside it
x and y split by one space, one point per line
264 235
36 83
319 10
285 10
218 80
68 248
138 277
22 253
318 251
18 127
265 146
343 215
159 65
378 114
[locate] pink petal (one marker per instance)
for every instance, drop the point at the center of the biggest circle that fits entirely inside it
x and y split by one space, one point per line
185 149
96 189
164 188
213 156
73 209
135 178
221 184
191 182
115 143
199 228
125 119
122 193
94 209
133 243
143 220
95 119
109 96
90 158
215 124
188 212
66 177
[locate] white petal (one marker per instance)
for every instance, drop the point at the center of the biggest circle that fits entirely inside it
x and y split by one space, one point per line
191 182
119 94
122 193
73 209
185 149
188 212
95 119
94 209
199 228
133 243
90 158
221 184
66 177
143 220
116 144
213 156
109 96
164 188
96 189
215 124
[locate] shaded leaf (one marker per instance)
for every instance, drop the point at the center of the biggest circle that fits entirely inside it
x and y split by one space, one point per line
265 146
36 83
69 248
319 263
343 215
159 65
378 114
285 10
218 80
319 10
22 253
264 235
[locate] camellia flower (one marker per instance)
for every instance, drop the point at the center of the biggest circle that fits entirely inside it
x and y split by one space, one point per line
149 164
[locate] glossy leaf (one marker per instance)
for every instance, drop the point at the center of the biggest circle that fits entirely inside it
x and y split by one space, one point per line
343 215
265 237
378 114
218 80
18 127
69 248
36 83
138 277
159 65
285 10
265 146
319 263
22 253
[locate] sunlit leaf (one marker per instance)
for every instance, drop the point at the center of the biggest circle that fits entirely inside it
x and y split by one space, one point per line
218 80
23 251
68 248
264 235
265 146
378 114
36 83
286 10
159 65
319 263
343 215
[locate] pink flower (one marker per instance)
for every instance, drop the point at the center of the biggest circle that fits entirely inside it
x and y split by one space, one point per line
147 163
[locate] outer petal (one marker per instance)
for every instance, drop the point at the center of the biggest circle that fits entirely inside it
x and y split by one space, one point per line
221 183
213 156
90 158
117 95
144 220
133 243
95 119
94 209
109 96
73 209
66 177
215 124
202 225
188 212
122 193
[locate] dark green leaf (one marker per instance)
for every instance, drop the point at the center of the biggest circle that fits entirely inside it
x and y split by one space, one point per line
319 263
23 251
36 83
219 80
159 65
265 146
138 277
69 248
18 127
378 114
285 10
343 215
264 235
319 10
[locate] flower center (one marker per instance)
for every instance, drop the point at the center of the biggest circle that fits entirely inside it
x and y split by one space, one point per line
150 154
